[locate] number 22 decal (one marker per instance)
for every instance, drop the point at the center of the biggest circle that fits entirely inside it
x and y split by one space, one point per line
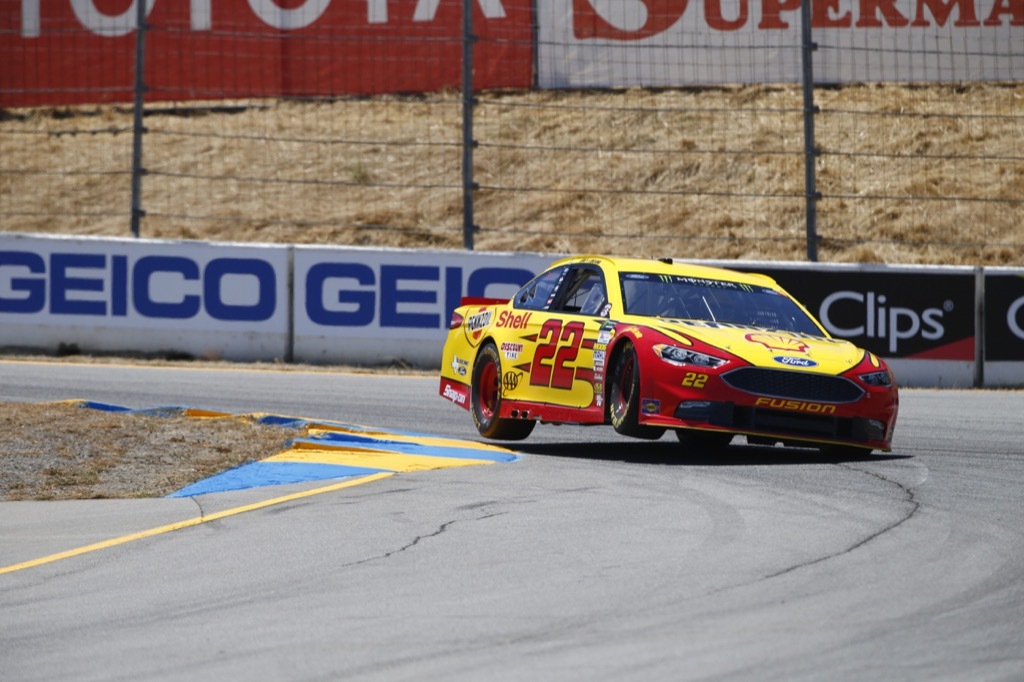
560 345
695 380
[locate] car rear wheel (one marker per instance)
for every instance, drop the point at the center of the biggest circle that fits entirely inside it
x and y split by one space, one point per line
485 400
624 396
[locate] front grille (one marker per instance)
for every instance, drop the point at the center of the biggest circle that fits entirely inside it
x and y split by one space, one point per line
776 383
794 423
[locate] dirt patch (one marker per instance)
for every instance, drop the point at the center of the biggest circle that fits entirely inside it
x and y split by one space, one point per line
60 451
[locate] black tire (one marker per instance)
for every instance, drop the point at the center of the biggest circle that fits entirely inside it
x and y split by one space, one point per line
703 441
485 400
624 396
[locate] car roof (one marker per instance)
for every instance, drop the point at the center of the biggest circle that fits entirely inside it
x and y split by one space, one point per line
669 267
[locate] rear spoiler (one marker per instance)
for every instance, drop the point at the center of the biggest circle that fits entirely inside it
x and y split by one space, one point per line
482 300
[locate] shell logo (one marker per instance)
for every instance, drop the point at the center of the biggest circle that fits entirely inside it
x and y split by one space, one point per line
778 342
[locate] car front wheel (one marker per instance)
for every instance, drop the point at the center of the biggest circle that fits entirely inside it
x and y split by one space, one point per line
624 397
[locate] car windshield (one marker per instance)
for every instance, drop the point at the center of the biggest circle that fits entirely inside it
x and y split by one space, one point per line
711 300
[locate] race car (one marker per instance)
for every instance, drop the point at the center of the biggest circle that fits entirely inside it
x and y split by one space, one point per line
652 345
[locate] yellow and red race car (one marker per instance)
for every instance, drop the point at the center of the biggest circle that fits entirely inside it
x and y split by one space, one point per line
650 345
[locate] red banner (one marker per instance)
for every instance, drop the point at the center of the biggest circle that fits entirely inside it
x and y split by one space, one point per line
83 51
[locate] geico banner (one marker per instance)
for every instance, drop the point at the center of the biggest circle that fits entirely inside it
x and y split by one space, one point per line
372 306
67 51
921 319
610 43
352 305
98 294
1004 327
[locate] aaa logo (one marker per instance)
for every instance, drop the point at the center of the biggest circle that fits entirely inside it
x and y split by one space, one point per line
511 380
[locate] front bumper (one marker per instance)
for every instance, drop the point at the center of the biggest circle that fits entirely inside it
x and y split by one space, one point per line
780 405
763 420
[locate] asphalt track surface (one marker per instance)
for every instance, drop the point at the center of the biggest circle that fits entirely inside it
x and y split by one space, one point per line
594 557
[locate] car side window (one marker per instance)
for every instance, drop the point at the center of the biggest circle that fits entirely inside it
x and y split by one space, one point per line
537 293
584 293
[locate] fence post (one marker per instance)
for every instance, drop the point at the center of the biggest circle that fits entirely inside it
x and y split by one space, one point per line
137 112
810 153
468 143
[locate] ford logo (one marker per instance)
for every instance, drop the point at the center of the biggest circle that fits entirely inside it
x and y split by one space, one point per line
794 362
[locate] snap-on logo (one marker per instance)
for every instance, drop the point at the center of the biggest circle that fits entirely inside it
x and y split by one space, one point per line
454 396
790 361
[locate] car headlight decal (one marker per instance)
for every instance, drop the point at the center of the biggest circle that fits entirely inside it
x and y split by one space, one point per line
674 355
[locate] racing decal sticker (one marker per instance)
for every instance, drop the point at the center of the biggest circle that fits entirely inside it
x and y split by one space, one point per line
790 361
554 360
510 320
510 350
477 322
456 393
695 380
778 342
799 405
650 406
460 366
510 381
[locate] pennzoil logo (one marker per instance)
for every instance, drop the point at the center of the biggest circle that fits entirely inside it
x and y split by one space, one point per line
777 342
478 321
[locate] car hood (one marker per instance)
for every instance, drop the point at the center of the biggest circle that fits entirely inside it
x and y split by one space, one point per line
769 347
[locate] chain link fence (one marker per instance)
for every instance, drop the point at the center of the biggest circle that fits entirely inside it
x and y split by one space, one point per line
360 126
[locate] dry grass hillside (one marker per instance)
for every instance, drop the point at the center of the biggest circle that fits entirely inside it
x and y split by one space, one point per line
908 174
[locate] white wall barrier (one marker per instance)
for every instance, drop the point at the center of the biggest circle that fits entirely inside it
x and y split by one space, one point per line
226 301
937 326
922 319
373 306
1003 327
